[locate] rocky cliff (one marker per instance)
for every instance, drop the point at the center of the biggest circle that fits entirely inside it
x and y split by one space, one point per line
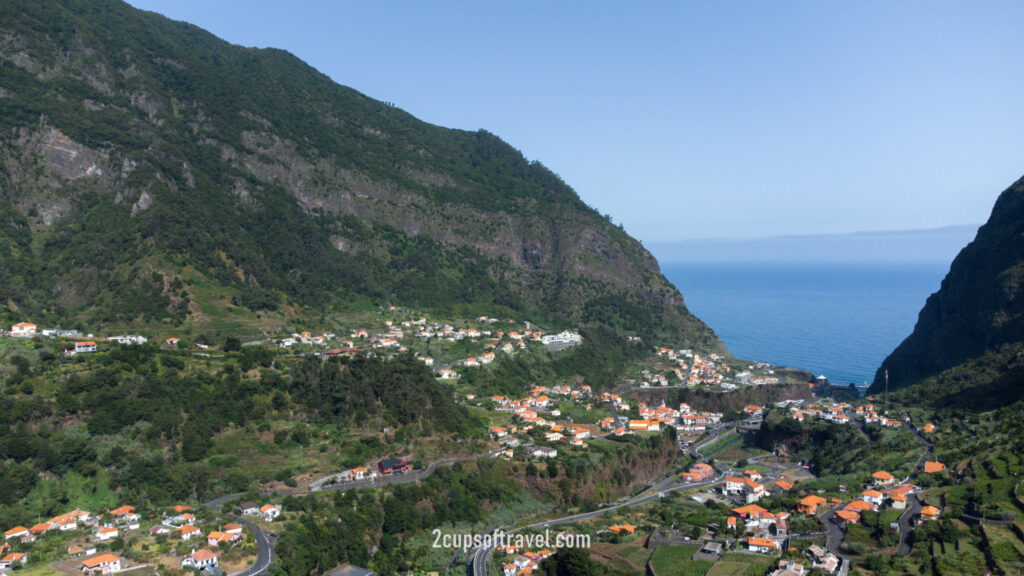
978 309
148 168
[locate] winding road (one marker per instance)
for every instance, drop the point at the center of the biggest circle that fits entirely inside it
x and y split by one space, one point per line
913 502
265 542
657 490
264 546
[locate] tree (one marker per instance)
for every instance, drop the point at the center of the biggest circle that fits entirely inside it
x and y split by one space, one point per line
195 443
232 344
569 562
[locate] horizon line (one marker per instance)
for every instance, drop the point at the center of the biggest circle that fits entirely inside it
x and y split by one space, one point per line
811 236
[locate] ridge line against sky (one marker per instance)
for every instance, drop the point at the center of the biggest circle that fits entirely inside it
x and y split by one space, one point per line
689 120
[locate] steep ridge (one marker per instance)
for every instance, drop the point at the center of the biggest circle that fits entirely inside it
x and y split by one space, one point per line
142 158
978 310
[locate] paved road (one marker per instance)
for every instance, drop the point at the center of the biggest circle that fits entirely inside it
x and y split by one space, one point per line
265 542
657 490
264 545
914 504
664 487
913 508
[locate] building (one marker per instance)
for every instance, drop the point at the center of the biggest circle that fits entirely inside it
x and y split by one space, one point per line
762 545
23 330
541 452
104 534
270 511
750 490
809 504
929 513
102 564
13 559
199 559
847 517
699 472
883 478
16 532
393 466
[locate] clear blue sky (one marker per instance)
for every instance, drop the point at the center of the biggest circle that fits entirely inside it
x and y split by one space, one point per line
685 120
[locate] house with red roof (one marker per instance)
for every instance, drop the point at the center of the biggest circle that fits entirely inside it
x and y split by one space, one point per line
102 564
199 559
13 559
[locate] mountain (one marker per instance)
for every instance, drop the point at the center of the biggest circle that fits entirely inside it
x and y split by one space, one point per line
973 327
151 172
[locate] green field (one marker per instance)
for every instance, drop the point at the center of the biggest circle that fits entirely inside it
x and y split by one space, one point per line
742 565
678 561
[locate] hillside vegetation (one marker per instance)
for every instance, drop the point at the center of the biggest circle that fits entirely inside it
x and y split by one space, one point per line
151 172
978 310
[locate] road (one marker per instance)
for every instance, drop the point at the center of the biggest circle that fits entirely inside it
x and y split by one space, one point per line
653 492
481 555
914 504
264 542
264 546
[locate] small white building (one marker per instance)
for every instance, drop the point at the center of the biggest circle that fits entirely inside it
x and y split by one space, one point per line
270 511
23 330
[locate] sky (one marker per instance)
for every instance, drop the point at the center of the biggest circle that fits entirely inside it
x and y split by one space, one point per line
686 120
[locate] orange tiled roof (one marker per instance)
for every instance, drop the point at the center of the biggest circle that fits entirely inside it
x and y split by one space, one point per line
97 560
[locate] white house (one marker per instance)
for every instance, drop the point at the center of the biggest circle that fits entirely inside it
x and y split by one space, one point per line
189 532
13 559
270 511
199 559
128 339
23 330
16 532
85 346
104 534
542 452
102 564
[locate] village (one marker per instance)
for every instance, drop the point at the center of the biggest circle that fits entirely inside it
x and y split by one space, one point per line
546 424
91 541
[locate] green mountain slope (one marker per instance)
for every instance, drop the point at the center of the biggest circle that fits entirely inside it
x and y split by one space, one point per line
144 161
978 311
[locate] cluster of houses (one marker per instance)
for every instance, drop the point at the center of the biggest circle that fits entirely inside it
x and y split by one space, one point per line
267 512
838 413
884 491
523 564
528 410
685 420
391 337
103 527
80 345
706 371
306 337
178 522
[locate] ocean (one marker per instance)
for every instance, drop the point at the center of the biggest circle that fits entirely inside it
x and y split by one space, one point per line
840 320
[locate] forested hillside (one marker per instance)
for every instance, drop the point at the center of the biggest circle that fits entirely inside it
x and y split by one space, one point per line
145 164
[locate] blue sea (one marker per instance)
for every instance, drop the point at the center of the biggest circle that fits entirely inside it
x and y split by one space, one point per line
840 320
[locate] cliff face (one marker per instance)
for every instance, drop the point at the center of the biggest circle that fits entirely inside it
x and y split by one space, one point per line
979 307
143 160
